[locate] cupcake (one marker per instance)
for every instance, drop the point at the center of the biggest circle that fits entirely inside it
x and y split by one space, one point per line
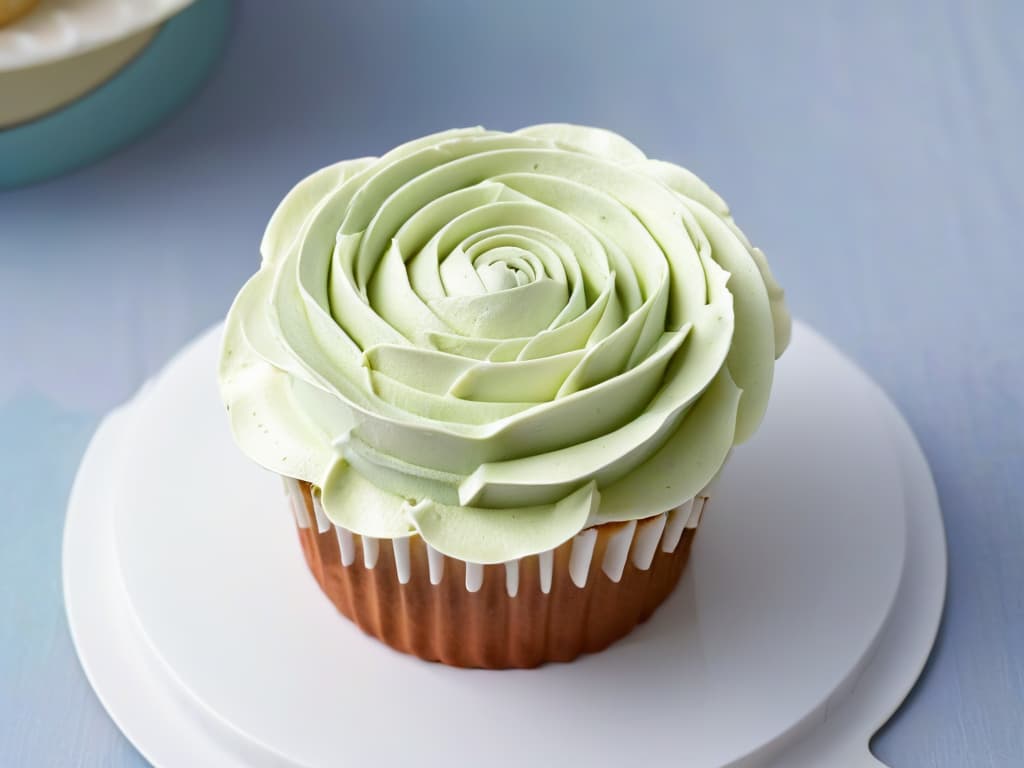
13 9
498 373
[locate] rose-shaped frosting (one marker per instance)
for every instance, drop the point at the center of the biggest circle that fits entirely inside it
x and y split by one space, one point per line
497 339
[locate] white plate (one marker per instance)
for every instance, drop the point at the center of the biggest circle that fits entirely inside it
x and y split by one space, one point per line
802 621
58 29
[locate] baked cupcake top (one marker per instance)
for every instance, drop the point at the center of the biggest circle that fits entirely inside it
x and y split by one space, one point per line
497 339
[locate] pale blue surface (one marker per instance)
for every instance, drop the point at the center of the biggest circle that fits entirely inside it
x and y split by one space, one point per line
873 152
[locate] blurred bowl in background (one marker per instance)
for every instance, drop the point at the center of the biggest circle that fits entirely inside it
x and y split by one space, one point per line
26 94
11 10
79 78
60 29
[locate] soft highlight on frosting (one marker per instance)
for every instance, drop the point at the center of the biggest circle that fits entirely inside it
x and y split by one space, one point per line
497 339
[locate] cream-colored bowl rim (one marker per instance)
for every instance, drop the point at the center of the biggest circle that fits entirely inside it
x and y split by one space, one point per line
60 29
29 94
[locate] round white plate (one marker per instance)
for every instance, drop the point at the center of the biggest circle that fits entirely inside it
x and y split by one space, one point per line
802 621
58 29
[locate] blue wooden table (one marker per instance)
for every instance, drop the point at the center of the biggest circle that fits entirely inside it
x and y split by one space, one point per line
873 150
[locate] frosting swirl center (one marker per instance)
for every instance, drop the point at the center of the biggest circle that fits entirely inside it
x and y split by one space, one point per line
495 339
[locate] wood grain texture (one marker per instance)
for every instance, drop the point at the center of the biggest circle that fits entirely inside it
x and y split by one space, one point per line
871 149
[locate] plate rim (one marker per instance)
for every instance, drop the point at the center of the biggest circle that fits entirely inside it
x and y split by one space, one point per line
804 732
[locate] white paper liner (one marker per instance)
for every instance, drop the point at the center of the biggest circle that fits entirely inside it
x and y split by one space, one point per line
474 577
617 551
323 525
637 541
546 563
581 555
435 562
402 564
293 491
346 545
677 520
646 544
512 578
371 550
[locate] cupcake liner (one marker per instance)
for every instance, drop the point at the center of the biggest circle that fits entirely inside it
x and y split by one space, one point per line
577 598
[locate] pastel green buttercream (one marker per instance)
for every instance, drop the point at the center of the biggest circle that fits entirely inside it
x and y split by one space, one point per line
497 339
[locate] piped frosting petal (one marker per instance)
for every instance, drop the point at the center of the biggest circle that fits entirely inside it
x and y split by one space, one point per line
497 339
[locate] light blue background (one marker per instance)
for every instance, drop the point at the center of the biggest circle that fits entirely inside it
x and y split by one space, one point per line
873 150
